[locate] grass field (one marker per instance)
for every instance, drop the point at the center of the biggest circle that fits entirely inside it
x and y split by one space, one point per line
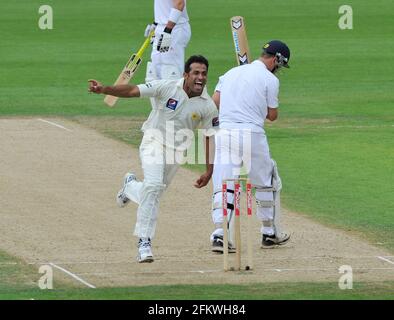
333 141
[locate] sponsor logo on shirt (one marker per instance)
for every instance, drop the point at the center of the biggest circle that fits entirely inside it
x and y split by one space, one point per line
195 116
215 122
171 104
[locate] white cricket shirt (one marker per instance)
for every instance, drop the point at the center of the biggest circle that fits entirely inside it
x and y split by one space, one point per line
245 93
162 12
173 111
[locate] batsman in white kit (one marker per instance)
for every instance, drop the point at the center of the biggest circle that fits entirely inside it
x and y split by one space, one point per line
172 35
247 95
179 107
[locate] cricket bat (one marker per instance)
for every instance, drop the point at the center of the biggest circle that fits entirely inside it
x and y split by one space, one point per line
129 69
240 40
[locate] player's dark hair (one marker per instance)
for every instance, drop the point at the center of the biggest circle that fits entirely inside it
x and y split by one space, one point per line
195 59
267 55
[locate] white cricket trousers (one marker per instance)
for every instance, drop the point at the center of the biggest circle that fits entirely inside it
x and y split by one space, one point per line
157 176
165 63
240 151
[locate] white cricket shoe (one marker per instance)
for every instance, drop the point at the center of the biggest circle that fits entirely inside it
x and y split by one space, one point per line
145 250
121 198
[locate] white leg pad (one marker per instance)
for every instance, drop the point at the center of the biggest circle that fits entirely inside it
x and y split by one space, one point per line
170 71
217 232
277 184
268 203
217 211
150 72
151 75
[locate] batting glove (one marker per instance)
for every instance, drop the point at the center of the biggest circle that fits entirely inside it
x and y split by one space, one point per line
164 43
149 29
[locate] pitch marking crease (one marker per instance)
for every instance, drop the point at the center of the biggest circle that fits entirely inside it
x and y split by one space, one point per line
73 275
385 259
55 124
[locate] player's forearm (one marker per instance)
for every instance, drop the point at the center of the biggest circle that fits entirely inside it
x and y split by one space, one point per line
216 98
177 8
123 91
209 169
209 153
170 25
178 4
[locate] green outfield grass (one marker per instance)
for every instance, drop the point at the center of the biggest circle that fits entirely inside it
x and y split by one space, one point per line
334 138
271 291
15 276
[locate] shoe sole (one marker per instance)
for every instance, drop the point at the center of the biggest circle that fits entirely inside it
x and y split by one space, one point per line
220 250
275 245
269 247
146 260
121 203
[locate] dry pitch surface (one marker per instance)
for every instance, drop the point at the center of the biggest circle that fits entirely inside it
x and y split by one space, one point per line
58 186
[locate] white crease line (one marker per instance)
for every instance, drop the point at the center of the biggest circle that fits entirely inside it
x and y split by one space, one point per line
325 269
335 127
55 124
73 275
203 271
334 270
384 259
146 273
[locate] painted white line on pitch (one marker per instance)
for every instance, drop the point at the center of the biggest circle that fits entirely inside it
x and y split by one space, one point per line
145 273
324 269
203 271
284 270
384 259
73 275
55 124
334 127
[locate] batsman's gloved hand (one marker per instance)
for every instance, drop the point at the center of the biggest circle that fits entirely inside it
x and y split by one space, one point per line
149 29
164 42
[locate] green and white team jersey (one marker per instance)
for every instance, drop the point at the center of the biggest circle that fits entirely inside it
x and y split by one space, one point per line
174 115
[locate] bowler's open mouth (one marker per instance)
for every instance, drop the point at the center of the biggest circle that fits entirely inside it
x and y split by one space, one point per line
198 84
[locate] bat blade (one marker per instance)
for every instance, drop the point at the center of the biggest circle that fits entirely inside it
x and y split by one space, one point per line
124 78
240 39
129 70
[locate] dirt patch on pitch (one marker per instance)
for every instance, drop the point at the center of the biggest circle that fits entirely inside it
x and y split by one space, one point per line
58 185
